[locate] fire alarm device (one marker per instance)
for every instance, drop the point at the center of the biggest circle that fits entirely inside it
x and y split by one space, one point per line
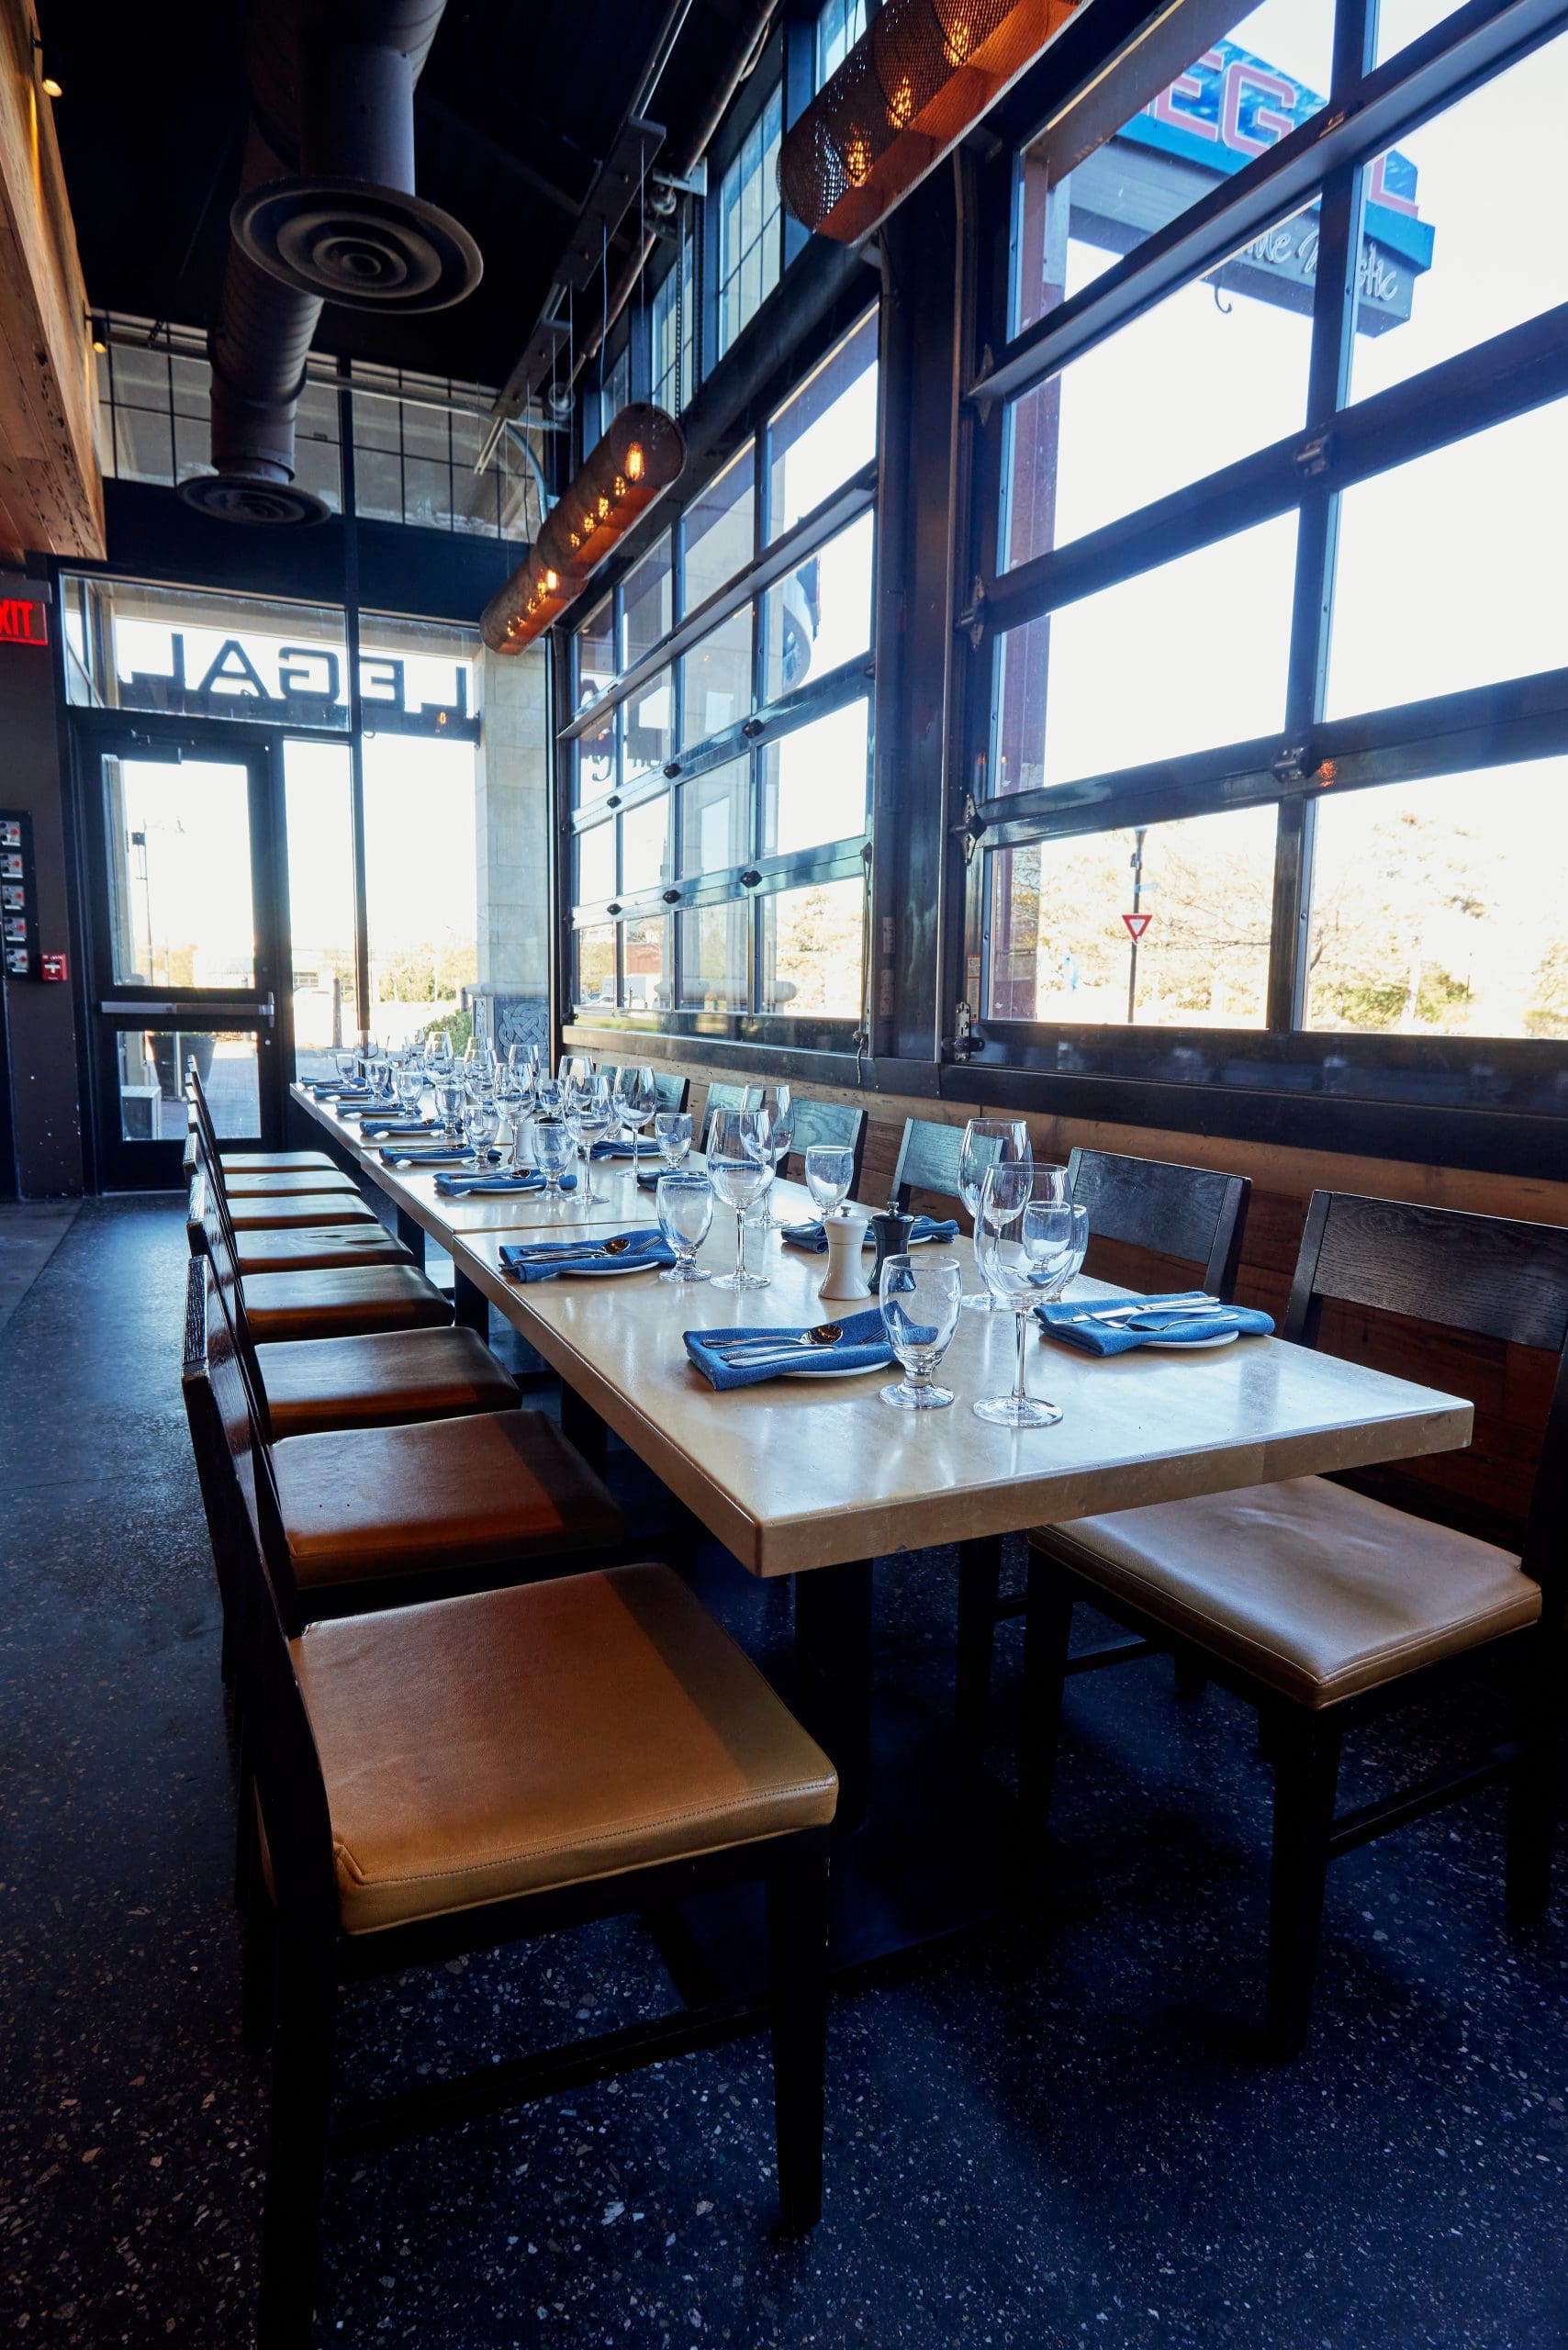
53 967
10 832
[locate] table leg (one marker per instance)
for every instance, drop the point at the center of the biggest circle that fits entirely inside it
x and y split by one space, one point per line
411 1233
471 1307
833 1612
979 1589
581 1427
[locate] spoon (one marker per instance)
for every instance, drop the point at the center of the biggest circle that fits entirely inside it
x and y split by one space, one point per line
826 1333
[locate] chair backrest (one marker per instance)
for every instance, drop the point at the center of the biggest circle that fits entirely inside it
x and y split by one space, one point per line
674 1092
1186 1211
279 1745
1486 1276
727 1097
927 1161
826 1121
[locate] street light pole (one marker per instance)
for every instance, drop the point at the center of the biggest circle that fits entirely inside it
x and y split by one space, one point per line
1136 862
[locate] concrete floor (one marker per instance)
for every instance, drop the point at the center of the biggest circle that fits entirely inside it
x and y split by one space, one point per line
1055 2133
30 1232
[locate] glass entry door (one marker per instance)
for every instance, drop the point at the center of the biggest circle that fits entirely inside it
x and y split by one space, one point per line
185 950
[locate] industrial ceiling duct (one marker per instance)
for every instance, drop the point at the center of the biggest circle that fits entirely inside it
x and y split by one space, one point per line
334 91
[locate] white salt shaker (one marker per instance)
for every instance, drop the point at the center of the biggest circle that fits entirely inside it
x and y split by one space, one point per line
846 1274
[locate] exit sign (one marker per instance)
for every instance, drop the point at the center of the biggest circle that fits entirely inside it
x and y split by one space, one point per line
22 621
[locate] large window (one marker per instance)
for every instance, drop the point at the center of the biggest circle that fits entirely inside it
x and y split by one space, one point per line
749 224
715 777
1270 695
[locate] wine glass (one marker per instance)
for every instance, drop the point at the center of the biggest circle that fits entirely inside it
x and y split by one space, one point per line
672 1131
830 1170
554 1150
920 1298
574 1069
775 1115
989 1142
686 1214
588 1115
1023 1238
740 1172
638 1097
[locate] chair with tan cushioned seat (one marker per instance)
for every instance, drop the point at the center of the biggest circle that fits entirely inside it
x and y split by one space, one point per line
286 1183
252 1162
474 1772
1321 1604
391 1378
339 1302
307 1248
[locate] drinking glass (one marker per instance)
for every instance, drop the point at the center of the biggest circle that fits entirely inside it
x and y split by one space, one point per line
686 1212
379 1069
740 1172
588 1115
989 1142
344 1062
451 1097
524 1058
480 1128
1024 1239
776 1130
410 1082
574 1068
364 1053
830 1170
672 1131
639 1098
920 1297
553 1152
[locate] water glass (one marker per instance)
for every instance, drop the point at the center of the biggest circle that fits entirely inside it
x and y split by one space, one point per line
672 1131
451 1098
1023 1240
830 1172
989 1142
920 1297
343 1061
588 1116
411 1084
480 1127
775 1128
552 1149
638 1097
740 1172
686 1212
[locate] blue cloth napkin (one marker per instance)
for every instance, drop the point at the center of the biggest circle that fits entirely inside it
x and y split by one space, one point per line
325 1092
542 1260
619 1150
863 1345
380 1132
414 1154
1162 1317
457 1187
926 1227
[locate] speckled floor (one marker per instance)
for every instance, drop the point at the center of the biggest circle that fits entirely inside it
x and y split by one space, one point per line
1047 2134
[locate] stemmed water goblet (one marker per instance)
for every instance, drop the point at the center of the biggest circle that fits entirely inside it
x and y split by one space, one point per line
672 1131
685 1215
1024 1242
553 1151
989 1142
451 1097
740 1172
920 1297
410 1085
479 1126
343 1061
830 1172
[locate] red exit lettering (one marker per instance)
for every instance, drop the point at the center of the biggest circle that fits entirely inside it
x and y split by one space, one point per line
22 621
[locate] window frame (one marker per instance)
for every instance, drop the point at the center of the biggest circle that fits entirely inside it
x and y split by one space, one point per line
1368 108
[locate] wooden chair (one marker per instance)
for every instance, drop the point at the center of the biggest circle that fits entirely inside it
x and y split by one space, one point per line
337 1302
674 1092
727 1097
826 1121
248 1162
298 1249
1321 1605
927 1161
1189 1214
471 1773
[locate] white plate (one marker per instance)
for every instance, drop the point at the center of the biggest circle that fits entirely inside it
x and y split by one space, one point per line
609 1265
1193 1346
853 1370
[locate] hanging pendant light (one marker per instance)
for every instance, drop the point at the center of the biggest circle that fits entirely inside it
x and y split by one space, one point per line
641 455
906 94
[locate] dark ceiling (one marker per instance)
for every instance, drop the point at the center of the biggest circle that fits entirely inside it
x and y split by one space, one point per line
518 104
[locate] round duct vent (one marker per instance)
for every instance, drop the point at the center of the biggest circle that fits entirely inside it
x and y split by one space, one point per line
367 248
263 504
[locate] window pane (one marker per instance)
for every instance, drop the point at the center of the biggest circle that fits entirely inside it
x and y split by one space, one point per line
647 605
1438 907
1440 581
427 493
1237 99
820 614
317 784
144 445
748 224
1212 373
1189 655
826 431
715 679
1484 173
815 782
715 959
595 883
644 846
718 532
840 24
648 727
811 950
647 952
179 844
141 374
377 423
593 762
597 666
1061 951
150 1064
422 879
715 821
1399 22
378 485
593 964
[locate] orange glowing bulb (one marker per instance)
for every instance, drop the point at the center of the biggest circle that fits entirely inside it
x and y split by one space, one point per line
857 160
604 509
634 462
901 105
960 37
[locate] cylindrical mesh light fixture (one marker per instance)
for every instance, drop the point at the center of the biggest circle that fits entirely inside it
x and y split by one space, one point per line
905 95
640 456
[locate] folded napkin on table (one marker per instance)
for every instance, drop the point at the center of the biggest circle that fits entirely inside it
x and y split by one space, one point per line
457 1187
541 1260
1171 1318
324 1093
414 1153
373 1127
926 1227
618 1150
863 1347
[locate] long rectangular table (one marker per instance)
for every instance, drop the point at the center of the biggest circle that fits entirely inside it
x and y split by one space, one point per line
814 1480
